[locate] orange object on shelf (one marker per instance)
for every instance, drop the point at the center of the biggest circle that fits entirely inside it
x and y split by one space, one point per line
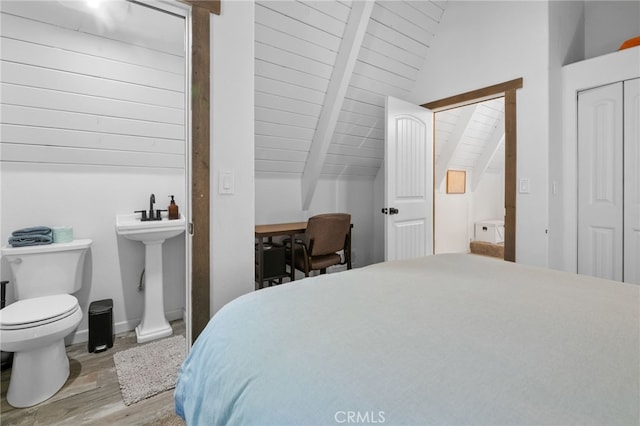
632 42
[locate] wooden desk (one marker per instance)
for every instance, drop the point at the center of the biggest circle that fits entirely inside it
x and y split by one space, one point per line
282 230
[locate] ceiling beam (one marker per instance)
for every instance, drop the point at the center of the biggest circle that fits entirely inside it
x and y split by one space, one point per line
354 33
489 152
449 149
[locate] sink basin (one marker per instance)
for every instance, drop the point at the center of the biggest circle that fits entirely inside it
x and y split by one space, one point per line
152 234
130 226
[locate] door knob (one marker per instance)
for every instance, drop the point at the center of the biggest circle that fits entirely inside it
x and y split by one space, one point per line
391 210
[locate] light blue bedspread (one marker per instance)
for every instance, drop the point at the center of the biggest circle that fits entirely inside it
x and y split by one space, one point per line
442 340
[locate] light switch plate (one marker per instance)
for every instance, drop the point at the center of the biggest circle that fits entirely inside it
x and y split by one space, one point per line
226 182
524 186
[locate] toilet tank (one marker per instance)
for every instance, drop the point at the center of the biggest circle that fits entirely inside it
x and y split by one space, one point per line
45 270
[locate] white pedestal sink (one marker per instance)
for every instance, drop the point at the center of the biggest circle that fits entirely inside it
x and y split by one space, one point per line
152 234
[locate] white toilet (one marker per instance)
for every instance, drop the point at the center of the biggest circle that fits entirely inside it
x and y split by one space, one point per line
34 327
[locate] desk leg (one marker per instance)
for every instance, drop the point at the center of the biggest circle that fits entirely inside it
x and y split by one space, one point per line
258 285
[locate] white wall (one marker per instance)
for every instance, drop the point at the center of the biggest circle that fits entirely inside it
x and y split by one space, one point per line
80 144
456 214
452 217
232 149
278 200
566 45
488 198
483 43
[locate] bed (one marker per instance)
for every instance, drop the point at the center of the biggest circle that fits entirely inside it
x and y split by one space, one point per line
441 340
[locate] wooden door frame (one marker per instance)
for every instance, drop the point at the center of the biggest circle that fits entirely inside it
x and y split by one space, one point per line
508 91
200 162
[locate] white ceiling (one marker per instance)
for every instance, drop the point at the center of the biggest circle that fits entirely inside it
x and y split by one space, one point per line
117 20
297 44
297 64
470 138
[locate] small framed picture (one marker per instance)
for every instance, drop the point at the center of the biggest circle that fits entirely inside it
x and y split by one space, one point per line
456 181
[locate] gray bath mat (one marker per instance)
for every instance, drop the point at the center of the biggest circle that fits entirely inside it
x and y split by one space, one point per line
147 370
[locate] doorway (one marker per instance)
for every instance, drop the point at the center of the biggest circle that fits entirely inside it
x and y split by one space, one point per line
508 91
100 111
469 179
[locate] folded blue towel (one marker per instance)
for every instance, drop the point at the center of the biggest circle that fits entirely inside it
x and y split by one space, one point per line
30 240
33 230
31 236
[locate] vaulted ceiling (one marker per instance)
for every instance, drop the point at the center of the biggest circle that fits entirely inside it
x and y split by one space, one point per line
322 71
296 52
470 138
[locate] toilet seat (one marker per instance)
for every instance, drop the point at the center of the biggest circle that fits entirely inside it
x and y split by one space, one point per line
37 311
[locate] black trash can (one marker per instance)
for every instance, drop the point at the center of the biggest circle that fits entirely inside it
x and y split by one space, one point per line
101 332
273 260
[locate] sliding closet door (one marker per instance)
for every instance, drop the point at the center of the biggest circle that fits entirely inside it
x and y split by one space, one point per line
632 181
600 182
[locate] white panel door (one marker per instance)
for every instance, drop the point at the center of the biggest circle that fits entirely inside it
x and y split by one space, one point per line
632 181
600 182
408 180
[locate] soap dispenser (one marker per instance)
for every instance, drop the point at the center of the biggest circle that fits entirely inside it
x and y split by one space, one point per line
173 209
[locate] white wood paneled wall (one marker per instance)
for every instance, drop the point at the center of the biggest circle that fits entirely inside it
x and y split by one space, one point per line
297 43
74 92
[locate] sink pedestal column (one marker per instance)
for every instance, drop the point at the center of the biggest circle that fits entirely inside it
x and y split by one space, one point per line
154 325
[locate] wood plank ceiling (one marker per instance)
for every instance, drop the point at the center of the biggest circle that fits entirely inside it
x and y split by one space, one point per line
296 49
470 138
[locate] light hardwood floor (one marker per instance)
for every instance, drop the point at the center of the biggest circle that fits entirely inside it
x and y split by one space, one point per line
91 395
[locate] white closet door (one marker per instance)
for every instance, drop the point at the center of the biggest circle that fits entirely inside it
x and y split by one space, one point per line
632 181
600 182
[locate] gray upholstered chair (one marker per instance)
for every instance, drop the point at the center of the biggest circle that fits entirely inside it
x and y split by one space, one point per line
326 235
